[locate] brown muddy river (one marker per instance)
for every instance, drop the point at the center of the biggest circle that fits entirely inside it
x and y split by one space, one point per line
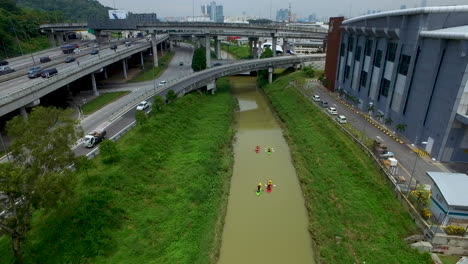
270 228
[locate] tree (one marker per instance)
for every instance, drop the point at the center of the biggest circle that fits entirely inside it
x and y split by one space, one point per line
199 59
309 71
171 96
158 103
388 121
401 128
263 74
267 53
108 148
379 115
141 118
38 175
82 163
370 108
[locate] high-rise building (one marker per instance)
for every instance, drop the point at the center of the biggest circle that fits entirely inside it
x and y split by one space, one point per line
215 12
282 15
403 7
423 3
313 18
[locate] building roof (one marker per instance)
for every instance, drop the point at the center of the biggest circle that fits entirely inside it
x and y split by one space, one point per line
411 11
452 186
460 33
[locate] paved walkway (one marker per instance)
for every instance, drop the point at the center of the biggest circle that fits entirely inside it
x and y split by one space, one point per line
412 162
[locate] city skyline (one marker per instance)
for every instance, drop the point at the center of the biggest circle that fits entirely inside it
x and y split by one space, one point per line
268 8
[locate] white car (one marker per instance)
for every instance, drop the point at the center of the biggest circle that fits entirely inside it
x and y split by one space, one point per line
142 105
332 111
316 98
341 119
162 83
77 51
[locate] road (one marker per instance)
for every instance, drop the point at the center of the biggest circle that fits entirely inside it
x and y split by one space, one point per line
103 117
407 158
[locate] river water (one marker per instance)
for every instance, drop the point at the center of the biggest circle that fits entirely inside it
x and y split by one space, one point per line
270 228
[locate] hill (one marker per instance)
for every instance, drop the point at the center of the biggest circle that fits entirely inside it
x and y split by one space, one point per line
74 10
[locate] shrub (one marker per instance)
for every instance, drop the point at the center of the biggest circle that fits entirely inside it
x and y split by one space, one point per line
455 230
425 213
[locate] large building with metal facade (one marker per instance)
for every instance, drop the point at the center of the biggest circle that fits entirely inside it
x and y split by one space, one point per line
411 68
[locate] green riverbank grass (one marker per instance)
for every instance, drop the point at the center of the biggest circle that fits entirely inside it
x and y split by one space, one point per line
346 196
162 201
102 100
239 52
148 74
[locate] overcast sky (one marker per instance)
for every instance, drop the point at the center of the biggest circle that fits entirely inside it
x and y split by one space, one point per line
303 8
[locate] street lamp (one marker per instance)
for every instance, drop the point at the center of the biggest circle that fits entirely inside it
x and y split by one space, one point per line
414 168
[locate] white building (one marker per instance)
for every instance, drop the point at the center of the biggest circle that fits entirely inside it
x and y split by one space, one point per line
449 198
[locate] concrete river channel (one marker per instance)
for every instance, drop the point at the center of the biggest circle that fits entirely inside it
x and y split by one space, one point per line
272 227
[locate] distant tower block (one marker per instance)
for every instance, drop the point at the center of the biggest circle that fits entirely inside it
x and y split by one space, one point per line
423 3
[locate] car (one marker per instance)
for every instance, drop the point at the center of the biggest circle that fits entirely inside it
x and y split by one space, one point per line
3 62
162 83
316 98
181 63
217 64
69 59
332 110
44 59
34 69
77 51
341 119
113 47
323 104
6 70
142 105
94 52
34 72
128 43
47 73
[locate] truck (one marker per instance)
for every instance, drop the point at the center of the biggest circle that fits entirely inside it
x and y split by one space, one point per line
94 138
69 48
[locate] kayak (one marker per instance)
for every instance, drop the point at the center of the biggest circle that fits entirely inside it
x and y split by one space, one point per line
269 189
257 150
259 192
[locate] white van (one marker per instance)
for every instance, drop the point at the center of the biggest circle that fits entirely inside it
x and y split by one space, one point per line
341 119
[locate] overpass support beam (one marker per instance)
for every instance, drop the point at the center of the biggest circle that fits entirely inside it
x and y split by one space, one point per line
60 37
208 51
274 41
93 82
124 64
52 41
23 112
171 45
155 49
142 61
217 48
105 73
285 45
270 75
162 49
211 87
251 47
255 49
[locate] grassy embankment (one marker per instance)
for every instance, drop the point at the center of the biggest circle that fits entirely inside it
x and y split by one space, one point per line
239 52
345 194
163 201
449 259
148 74
102 100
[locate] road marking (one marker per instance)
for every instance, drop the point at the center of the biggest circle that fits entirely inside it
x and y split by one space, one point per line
379 138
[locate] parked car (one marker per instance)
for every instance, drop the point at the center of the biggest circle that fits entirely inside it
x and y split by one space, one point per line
47 73
44 59
323 104
332 111
69 59
341 119
34 72
94 52
3 62
162 83
6 70
142 105
316 98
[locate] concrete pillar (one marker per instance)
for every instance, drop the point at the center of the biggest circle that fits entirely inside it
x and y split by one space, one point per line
124 62
23 112
93 81
60 36
69 91
208 52
273 45
105 73
255 49
211 87
250 47
270 75
52 42
285 45
142 61
217 48
162 49
155 49
198 44
171 45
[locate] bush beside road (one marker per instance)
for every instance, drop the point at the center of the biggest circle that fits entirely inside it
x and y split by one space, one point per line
354 217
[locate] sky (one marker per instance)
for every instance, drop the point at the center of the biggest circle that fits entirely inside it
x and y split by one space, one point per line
263 8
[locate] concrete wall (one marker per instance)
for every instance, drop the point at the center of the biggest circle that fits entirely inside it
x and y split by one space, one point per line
332 50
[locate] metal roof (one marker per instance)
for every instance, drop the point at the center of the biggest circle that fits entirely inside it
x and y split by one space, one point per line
453 186
411 11
460 33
